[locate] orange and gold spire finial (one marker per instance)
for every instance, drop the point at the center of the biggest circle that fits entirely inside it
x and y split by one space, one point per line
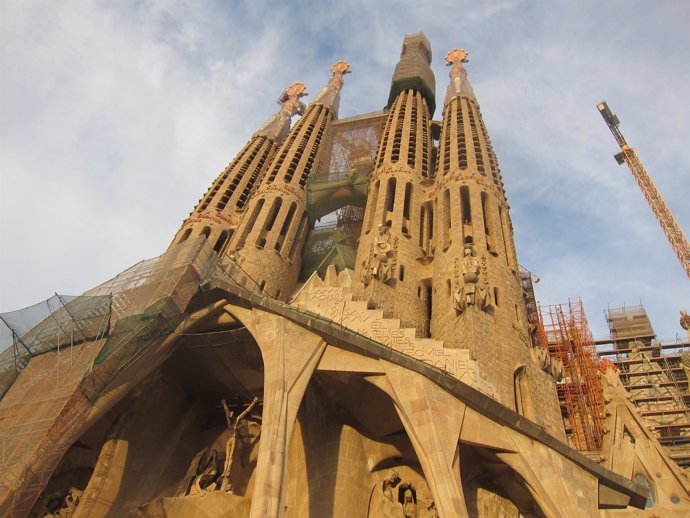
457 56
459 85
330 94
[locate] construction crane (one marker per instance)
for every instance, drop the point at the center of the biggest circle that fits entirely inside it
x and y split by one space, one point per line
673 231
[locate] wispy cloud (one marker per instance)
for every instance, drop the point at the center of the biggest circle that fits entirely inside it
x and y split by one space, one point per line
116 117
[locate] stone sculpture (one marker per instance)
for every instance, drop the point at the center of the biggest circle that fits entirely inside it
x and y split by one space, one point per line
233 424
409 505
380 265
470 294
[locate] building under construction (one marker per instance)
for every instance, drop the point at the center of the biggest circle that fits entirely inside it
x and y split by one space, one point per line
339 328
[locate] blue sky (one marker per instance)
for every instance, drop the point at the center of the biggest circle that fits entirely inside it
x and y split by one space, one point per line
116 116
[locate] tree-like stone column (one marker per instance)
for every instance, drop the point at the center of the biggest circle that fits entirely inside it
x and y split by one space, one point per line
433 421
290 355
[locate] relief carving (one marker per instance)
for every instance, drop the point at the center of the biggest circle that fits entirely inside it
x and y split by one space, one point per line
381 261
470 293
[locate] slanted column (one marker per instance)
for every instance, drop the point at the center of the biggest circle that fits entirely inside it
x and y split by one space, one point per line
269 240
433 421
217 214
290 355
388 271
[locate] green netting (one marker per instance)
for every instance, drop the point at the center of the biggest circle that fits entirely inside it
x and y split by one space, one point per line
156 321
58 322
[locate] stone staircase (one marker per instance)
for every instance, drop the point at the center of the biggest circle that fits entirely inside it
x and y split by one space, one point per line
331 297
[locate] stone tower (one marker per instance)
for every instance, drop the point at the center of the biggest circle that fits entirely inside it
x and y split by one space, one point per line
479 300
387 271
270 237
218 212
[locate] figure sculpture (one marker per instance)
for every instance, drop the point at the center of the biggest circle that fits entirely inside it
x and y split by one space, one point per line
470 293
380 262
233 424
409 505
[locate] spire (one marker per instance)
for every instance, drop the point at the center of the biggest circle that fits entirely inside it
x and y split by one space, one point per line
413 71
459 85
277 127
329 96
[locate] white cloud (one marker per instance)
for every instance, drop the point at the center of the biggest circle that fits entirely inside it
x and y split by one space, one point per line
117 116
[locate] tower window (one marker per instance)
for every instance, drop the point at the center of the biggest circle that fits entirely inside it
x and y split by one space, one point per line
299 237
221 242
372 206
286 225
488 223
248 224
447 217
185 236
205 232
406 209
389 204
466 213
270 220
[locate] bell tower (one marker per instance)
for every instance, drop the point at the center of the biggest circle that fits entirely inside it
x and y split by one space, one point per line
269 240
387 272
478 295
217 214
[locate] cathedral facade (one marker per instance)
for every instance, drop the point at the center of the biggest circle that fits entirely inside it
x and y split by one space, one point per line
387 370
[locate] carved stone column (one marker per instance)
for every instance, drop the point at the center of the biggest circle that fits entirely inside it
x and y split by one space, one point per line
290 355
433 420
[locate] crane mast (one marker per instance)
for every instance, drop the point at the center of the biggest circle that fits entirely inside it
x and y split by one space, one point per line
673 231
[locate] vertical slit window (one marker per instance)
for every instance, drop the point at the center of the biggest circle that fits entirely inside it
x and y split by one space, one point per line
488 223
250 222
372 205
460 128
218 248
185 236
285 227
205 232
249 186
475 139
466 213
390 199
299 236
406 209
507 245
427 169
397 137
412 136
270 220
447 219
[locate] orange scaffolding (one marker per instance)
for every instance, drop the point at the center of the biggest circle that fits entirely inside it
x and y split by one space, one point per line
565 330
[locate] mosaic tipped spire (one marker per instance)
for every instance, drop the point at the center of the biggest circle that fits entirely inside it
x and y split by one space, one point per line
277 126
329 96
459 85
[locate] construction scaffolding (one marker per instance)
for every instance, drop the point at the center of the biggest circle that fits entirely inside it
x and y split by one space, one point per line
655 374
343 177
565 331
